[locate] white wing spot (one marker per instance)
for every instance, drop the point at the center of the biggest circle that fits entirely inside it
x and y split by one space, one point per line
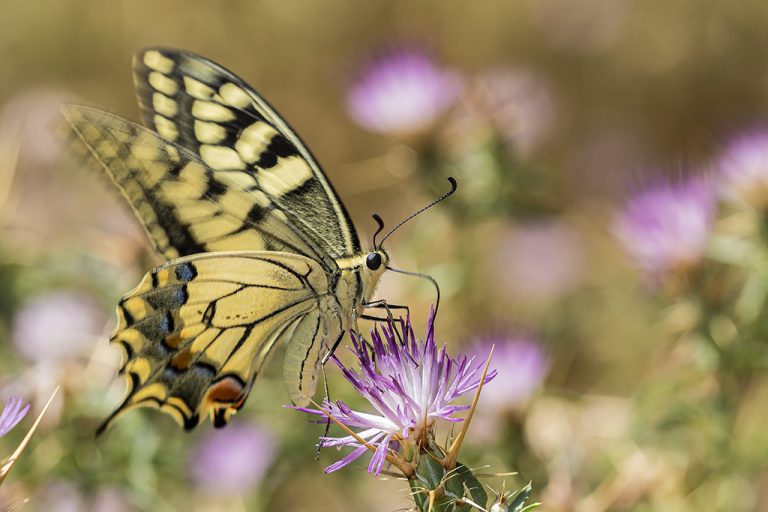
172 153
253 140
194 174
164 105
239 180
145 152
153 172
90 133
235 201
234 95
153 59
208 111
221 158
289 174
166 128
197 89
162 83
209 133
106 149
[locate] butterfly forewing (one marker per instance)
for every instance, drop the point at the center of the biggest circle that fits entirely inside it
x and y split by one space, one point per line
185 206
196 331
204 107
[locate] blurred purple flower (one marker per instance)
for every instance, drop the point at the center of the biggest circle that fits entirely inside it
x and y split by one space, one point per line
410 384
233 459
13 412
60 496
744 168
516 103
666 227
401 92
540 261
58 325
524 364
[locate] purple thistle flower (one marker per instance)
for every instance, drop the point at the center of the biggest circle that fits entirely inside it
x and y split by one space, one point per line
515 103
409 384
13 412
57 325
744 168
401 92
539 261
666 227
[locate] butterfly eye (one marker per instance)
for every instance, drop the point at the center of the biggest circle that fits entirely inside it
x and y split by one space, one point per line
373 261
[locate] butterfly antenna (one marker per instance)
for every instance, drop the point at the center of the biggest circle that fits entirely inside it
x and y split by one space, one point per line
423 276
430 205
380 222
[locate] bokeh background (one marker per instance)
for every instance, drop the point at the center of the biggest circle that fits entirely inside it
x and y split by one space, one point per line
607 234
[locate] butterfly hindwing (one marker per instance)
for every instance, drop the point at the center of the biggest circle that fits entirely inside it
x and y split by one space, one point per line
184 205
196 331
206 108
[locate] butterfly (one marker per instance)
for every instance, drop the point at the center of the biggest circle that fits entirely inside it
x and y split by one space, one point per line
260 249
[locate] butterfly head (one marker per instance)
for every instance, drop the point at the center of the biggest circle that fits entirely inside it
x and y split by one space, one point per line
377 261
375 265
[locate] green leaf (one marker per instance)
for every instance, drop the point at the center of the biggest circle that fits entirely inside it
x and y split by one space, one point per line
473 485
517 504
430 471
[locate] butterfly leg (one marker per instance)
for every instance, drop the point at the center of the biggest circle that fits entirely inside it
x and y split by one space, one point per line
382 304
330 352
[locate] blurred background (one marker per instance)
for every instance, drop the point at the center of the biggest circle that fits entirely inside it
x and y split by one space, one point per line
608 235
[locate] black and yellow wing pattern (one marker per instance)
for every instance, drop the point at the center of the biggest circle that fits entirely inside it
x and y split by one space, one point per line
185 206
200 105
261 249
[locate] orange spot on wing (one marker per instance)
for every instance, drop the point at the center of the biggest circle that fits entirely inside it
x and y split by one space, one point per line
228 391
181 360
174 340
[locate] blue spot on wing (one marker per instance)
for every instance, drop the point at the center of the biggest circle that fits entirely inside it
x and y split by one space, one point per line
180 296
186 272
166 324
